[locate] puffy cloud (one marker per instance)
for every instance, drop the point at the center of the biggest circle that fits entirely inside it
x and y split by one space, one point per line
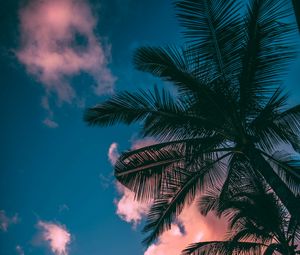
56 235
58 41
129 209
6 221
192 227
113 153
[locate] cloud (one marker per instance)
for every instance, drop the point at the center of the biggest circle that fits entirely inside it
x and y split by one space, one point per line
50 123
113 153
6 221
191 227
129 209
58 41
20 250
139 143
56 235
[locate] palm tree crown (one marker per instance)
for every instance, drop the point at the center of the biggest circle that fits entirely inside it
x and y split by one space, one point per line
228 114
259 224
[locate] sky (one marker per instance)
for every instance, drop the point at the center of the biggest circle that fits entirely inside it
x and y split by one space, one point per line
58 194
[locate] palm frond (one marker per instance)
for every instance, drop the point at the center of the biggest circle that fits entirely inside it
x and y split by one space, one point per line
266 52
145 169
272 248
224 248
239 178
177 193
288 168
261 165
268 128
129 107
171 64
290 119
212 30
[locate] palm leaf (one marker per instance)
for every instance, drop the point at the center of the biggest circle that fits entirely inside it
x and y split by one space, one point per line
288 168
268 128
202 96
144 170
179 192
224 248
212 30
171 64
266 52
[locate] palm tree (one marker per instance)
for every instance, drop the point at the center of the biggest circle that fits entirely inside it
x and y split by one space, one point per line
228 110
258 223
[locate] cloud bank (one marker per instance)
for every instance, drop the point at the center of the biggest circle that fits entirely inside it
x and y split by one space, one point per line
58 41
6 221
56 236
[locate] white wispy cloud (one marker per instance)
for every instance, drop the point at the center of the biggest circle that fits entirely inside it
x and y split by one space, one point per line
56 236
113 153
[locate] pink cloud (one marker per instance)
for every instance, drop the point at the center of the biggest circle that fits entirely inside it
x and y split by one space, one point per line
56 235
6 221
113 153
51 51
50 123
196 228
129 209
139 143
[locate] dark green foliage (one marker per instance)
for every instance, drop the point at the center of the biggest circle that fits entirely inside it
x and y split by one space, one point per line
258 222
228 116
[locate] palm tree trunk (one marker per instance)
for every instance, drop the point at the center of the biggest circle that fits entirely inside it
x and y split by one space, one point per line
287 197
296 5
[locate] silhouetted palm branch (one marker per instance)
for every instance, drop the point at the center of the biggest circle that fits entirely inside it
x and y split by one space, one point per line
258 222
228 101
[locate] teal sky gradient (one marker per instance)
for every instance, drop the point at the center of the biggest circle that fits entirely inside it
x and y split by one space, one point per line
42 168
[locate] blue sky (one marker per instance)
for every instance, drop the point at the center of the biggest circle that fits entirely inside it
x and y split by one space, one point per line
58 173
43 168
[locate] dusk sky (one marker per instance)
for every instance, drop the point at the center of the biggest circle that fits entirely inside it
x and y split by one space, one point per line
58 193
